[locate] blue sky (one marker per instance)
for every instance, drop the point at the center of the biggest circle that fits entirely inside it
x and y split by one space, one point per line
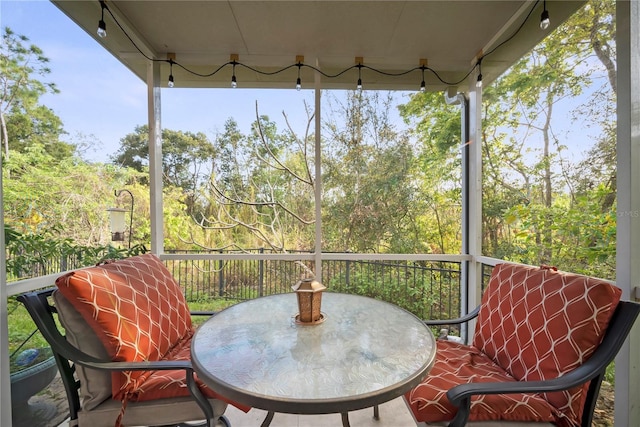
101 101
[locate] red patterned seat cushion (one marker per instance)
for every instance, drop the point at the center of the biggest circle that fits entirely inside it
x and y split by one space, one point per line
135 307
168 384
460 364
534 323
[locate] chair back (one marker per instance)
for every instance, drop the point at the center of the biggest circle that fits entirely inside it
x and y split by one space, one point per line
539 323
619 328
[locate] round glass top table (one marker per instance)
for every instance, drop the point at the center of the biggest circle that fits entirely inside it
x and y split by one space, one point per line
365 352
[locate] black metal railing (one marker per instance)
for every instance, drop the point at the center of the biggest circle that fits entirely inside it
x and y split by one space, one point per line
429 289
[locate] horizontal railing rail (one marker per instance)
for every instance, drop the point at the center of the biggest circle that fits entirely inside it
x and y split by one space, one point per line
426 286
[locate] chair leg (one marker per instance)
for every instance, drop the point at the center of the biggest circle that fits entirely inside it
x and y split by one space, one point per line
202 401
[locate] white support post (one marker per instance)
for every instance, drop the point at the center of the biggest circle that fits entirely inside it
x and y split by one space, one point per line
318 177
475 194
5 378
627 384
452 97
155 157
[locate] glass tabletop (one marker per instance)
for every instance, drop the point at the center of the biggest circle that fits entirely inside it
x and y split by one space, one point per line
364 353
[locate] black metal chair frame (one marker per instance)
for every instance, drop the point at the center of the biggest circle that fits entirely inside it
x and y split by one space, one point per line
592 371
66 355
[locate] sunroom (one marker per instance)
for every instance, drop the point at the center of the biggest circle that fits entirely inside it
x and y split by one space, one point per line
440 46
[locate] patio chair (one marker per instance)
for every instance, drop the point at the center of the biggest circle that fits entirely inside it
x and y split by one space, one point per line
542 343
104 389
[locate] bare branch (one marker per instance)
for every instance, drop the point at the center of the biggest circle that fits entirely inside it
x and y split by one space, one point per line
280 165
303 144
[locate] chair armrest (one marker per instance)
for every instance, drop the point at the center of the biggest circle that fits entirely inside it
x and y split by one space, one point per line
457 321
460 396
203 313
160 365
578 376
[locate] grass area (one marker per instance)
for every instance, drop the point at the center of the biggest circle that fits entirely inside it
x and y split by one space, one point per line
21 328
208 304
211 304
610 373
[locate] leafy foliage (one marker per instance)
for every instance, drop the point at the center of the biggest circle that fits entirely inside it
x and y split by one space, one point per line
23 121
34 254
538 206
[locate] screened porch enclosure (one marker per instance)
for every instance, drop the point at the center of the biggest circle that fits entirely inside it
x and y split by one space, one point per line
328 38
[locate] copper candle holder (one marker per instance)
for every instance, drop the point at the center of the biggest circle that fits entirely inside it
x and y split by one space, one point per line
309 292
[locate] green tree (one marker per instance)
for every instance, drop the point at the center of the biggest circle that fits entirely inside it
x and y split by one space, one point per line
23 121
368 188
56 198
437 129
531 187
262 190
599 165
534 196
230 163
186 159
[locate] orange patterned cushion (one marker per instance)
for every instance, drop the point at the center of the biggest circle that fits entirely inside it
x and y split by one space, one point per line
168 384
135 307
537 323
460 364
533 324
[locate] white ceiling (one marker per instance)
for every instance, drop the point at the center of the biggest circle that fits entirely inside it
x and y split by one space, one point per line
391 36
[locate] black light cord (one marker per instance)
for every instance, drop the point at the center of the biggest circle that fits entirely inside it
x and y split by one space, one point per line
360 66
479 62
515 32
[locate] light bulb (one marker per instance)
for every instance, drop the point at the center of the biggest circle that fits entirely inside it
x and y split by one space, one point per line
234 83
544 20
479 81
423 85
359 84
298 84
102 29
170 83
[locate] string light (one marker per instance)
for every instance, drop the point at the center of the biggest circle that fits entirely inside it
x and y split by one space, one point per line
234 83
544 24
544 17
102 27
170 83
